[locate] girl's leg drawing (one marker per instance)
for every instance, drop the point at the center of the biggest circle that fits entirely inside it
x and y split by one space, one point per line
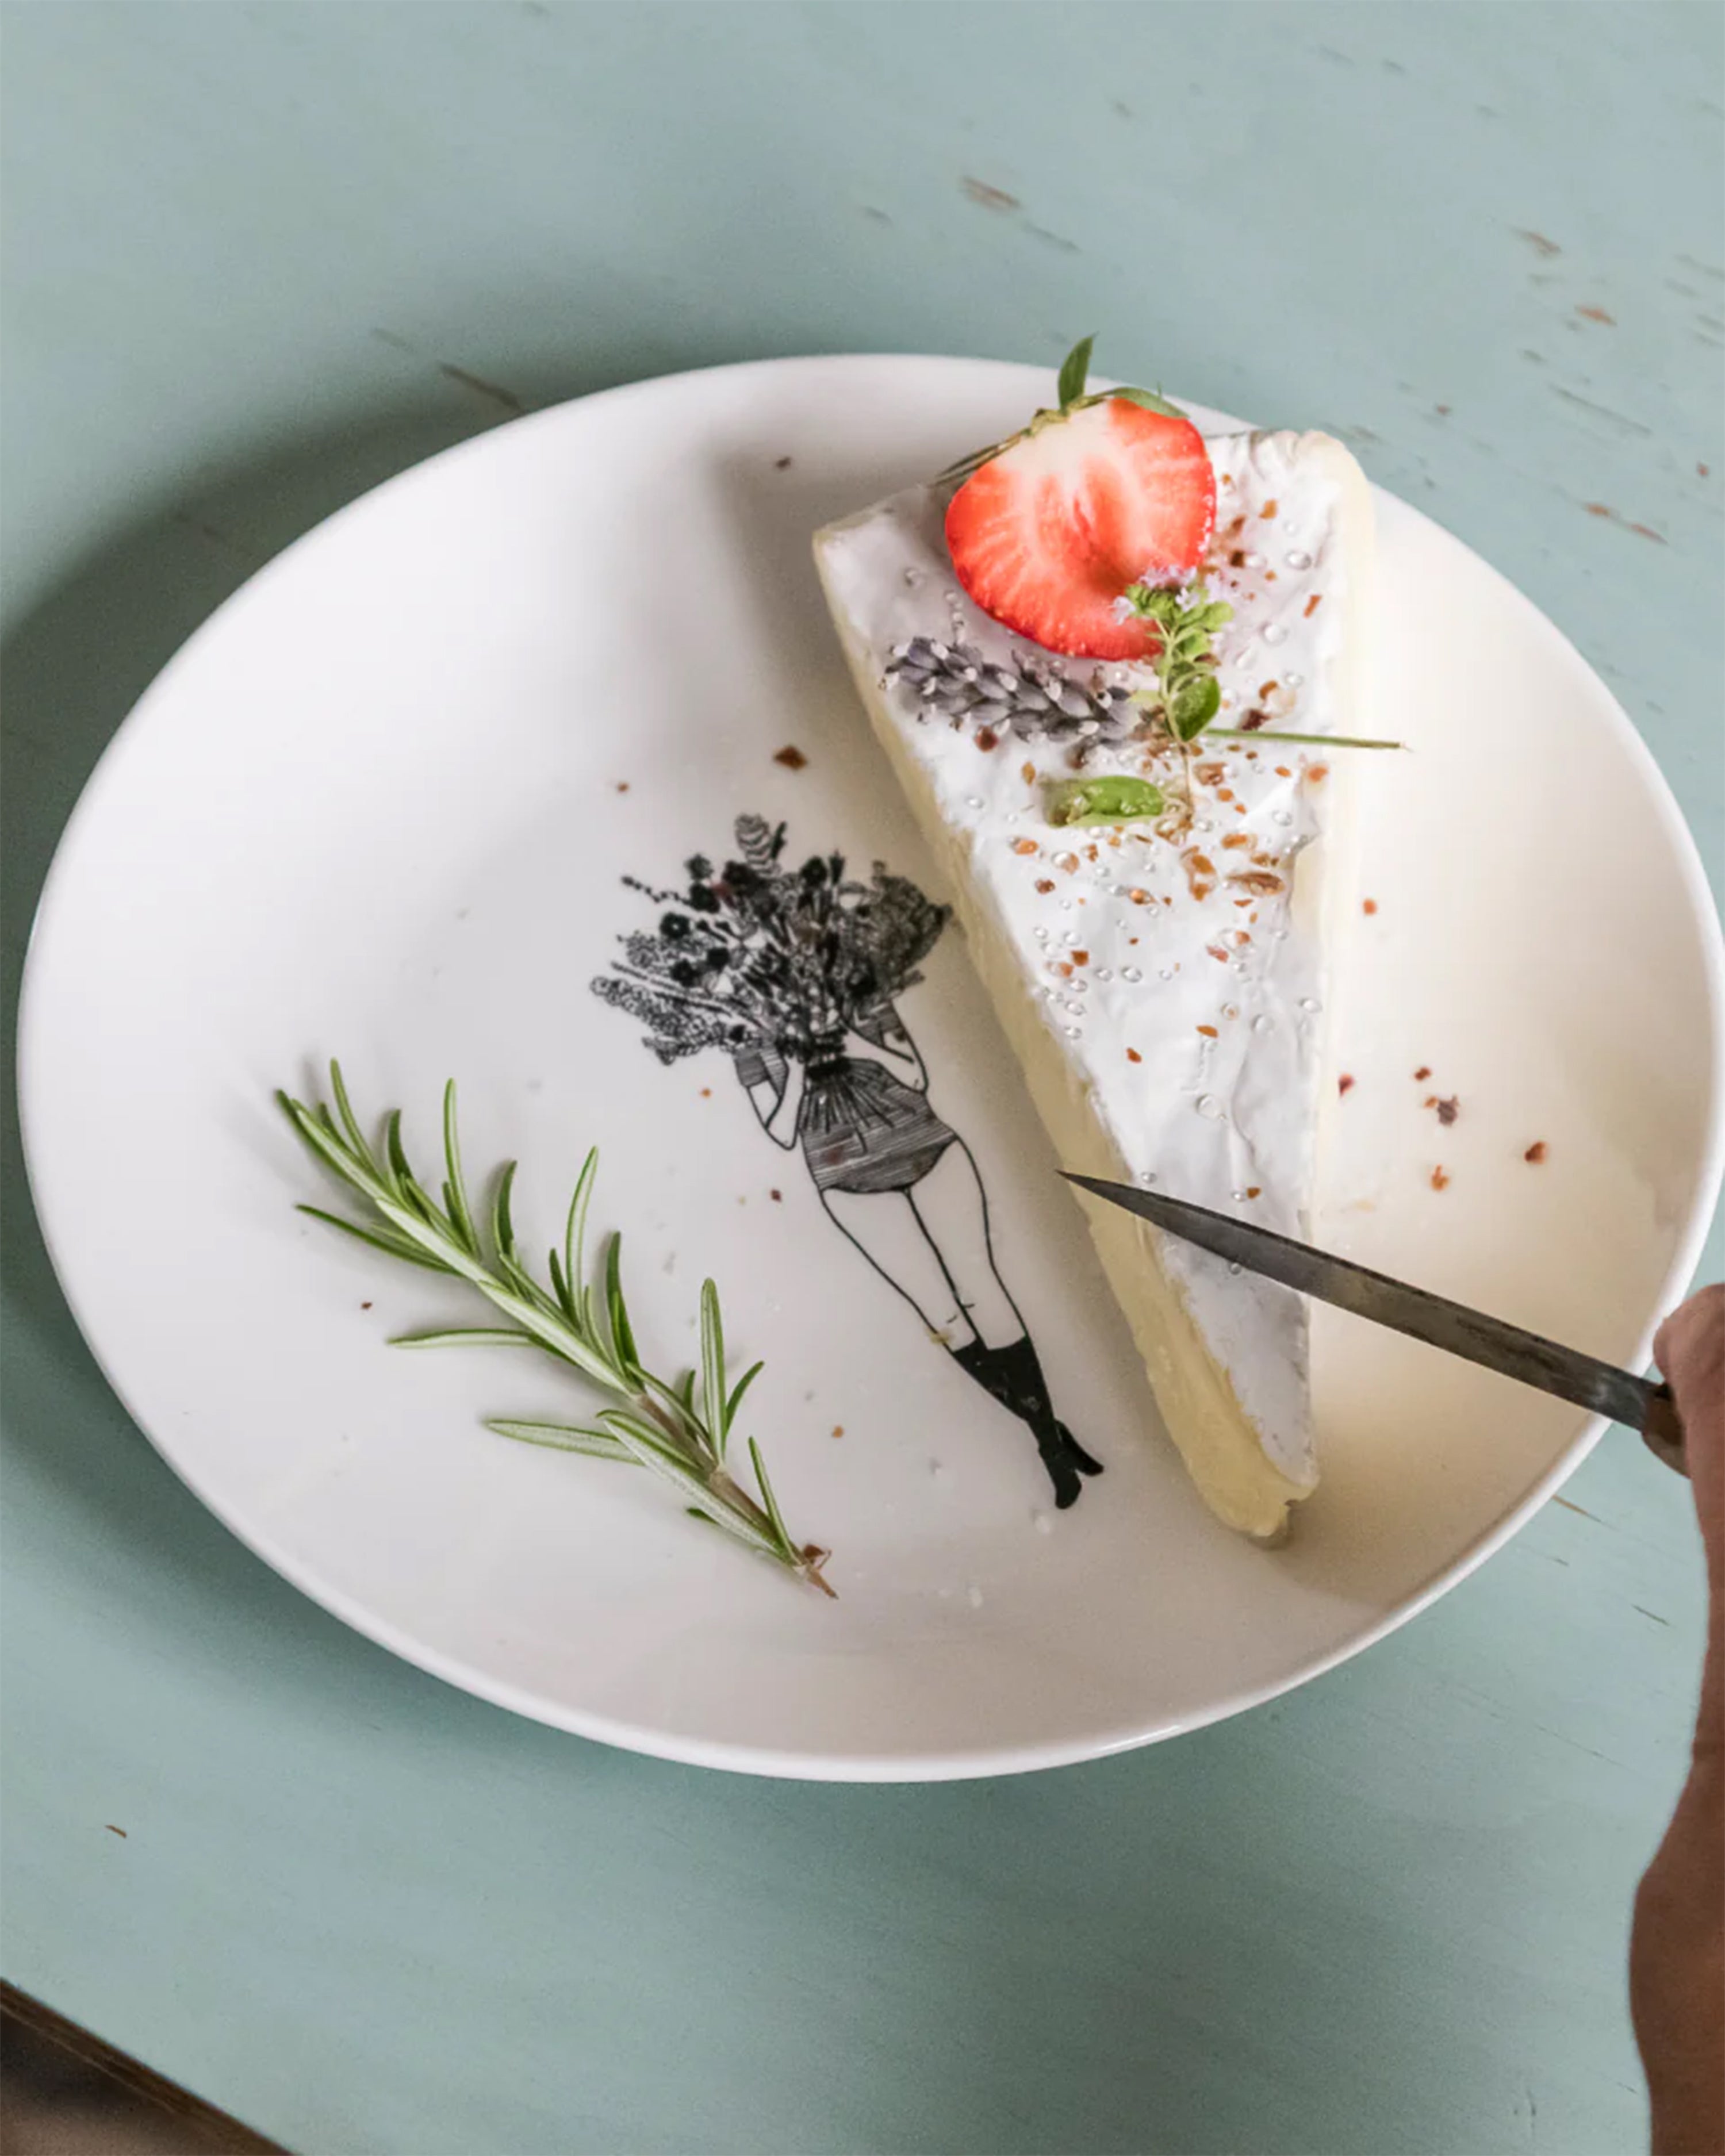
931 1244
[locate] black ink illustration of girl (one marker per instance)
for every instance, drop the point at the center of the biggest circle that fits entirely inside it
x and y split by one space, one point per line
793 973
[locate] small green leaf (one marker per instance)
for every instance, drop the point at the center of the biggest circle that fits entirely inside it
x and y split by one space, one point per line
1113 799
467 1336
502 1225
623 1338
380 1239
1074 372
712 1365
575 1234
741 1386
1194 707
1147 400
561 1437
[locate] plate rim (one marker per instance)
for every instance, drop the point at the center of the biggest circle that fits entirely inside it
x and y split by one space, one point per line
865 1768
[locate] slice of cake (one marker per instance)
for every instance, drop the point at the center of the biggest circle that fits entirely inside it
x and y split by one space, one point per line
1092 666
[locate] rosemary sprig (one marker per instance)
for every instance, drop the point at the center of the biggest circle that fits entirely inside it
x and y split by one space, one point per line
680 1432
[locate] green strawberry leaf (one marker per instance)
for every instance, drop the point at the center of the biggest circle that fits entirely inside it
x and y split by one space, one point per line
1074 372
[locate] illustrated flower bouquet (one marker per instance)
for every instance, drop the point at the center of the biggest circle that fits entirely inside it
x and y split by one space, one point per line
768 961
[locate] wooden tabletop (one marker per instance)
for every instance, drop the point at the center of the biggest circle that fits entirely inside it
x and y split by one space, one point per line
262 255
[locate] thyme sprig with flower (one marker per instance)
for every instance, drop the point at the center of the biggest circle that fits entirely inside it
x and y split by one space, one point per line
680 1431
1187 697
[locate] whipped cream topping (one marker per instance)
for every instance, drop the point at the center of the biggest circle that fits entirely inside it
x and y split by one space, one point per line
1178 976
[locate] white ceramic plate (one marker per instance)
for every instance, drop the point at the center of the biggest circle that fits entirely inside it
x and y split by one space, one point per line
375 809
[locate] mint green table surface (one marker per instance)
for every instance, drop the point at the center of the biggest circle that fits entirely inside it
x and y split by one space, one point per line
258 257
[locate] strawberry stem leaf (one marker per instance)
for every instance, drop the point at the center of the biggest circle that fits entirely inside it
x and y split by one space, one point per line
1074 372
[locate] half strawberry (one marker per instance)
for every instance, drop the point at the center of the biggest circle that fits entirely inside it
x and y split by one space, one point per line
1113 489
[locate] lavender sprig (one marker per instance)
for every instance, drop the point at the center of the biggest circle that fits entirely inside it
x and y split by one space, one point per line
957 682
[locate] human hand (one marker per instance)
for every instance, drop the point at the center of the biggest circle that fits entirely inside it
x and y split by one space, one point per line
1677 1947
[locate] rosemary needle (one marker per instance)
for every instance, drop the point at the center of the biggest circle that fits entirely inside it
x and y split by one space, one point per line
680 1432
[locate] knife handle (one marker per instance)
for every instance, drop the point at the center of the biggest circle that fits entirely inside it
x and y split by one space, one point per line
1662 1429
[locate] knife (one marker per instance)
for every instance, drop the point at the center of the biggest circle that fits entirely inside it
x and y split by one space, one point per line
1581 1379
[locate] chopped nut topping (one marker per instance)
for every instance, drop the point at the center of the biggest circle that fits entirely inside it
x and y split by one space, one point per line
1133 1056
1439 1178
1024 845
986 737
1027 771
1211 1031
1262 881
790 757
1045 883
1369 905
1423 1072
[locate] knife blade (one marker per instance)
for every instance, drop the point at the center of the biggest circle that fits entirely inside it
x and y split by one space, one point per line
1583 1380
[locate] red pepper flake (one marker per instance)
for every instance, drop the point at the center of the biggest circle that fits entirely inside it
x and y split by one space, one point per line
1344 1084
986 737
1282 772
1217 953
1422 1073
1268 688
791 756
1139 897
1313 603
1317 774
1253 1189
1536 1153
1045 885
1224 793
1268 509
1241 901
1081 957
1211 1031
1439 1178
1024 845
1369 905
1133 1056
